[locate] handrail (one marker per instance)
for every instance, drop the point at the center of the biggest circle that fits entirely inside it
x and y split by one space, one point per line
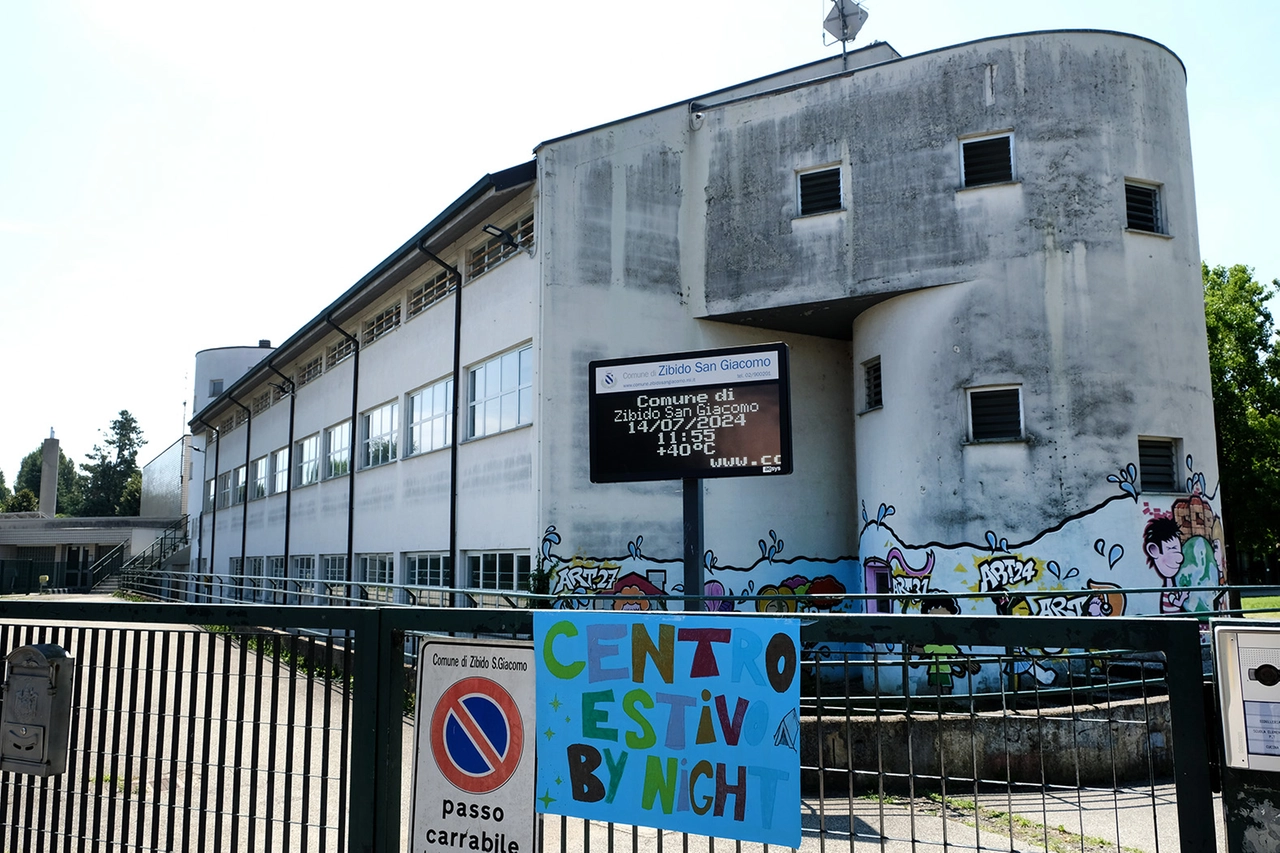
108 564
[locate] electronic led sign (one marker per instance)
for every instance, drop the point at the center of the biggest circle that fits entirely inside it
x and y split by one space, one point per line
715 413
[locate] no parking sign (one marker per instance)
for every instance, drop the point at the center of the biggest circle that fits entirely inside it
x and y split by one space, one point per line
473 747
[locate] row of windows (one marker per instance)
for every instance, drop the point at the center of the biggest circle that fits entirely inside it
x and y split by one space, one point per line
983 161
995 414
499 398
325 575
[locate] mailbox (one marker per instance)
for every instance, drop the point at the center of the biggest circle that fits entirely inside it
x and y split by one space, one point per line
35 715
1247 659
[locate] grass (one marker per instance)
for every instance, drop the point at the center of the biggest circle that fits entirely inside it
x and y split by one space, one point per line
1263 606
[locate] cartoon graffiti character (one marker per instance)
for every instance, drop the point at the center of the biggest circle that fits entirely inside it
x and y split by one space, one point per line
944 661
1025 662
1107 600
1163 546
633 591
823 593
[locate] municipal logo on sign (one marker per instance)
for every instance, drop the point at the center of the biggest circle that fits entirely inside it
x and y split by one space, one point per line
477 735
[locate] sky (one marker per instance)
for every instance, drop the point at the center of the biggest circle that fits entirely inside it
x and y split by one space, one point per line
176 177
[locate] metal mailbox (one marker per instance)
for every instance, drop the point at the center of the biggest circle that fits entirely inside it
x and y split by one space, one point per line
1247 658
35 715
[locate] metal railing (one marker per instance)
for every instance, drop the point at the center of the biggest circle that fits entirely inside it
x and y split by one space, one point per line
221 728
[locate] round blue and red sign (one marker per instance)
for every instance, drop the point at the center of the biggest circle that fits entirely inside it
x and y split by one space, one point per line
477 735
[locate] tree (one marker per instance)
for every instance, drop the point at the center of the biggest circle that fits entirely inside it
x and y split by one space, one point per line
4 490
23 500
109 468
70 492
131 498
1244 362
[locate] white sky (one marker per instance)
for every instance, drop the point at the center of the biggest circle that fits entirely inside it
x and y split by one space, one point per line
178 176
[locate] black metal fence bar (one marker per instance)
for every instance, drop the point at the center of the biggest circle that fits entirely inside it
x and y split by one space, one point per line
246 735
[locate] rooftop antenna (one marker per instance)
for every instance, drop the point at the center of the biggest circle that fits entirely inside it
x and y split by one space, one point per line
843 23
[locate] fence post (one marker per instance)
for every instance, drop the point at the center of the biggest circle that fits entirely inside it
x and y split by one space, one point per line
377 706
1184 671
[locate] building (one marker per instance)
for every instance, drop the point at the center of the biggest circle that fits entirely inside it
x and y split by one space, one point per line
983 259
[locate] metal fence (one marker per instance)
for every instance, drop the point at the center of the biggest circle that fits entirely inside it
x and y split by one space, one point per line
225 728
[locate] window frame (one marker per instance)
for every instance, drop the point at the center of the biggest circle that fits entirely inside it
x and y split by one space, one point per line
307 464
1156 192
422 421
279 471
488 563
384 565
492 252
333 572
389 416
521 393
802 174
337 456
970 393
977 139
872 393
1146 444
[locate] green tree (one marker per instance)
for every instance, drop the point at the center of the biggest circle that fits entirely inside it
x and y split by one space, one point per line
109 468
1244 361
70 492
4 490
23 500
131 498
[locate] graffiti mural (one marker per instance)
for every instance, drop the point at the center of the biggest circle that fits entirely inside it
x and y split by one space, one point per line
637 581
1130 554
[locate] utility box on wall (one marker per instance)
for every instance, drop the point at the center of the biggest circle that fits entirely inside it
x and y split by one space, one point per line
1248 667
35 715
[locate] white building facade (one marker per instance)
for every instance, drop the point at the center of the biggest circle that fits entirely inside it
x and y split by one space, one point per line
983 259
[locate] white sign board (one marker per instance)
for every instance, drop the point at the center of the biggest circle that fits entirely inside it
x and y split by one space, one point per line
473 738
1247 662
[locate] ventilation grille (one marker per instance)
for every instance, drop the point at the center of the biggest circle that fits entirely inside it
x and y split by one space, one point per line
1143 207
988 161
1157 470
820 191
995 414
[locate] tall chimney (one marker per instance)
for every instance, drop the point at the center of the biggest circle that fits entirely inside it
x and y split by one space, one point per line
49 477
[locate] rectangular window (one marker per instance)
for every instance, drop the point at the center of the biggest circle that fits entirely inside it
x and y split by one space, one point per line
309 370
261 403
235 573
215 387
308 453
258 469
211 493
337 444
1158 465
500 393
275 581
254 579
379 434
496 250
280 471
335 576
1142 207
987 161
995 414
874 389
384 321
431 417
377 569
820 191
429 570
303 579
430 292
337 353
500 570
241 487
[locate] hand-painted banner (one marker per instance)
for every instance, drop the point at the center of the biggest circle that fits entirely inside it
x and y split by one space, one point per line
687 723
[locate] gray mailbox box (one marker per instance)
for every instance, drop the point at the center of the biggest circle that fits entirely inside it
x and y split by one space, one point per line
35 716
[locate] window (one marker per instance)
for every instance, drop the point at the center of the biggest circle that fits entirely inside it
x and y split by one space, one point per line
504 570
339 352
430 292
261 403
241 488
253 573
875 392
1142 206
379 434
987 161
275 580
304 575
235 570
500 393
429 570
309 370
1158 465
335 576
308 460
224 489
215 387
496 250
880 582
211 493
377 569
280 470
337 443
258 469
431 417
820 191
384 321
995 414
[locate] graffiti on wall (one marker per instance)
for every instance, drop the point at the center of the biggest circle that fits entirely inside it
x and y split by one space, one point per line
636 581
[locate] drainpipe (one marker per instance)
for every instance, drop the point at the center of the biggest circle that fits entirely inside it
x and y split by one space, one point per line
213 522
244 513
286 386
457 388
351 455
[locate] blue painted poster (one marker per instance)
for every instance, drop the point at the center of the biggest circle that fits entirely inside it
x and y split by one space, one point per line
681 722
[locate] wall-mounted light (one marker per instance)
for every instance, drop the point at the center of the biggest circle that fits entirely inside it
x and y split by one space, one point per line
502 233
